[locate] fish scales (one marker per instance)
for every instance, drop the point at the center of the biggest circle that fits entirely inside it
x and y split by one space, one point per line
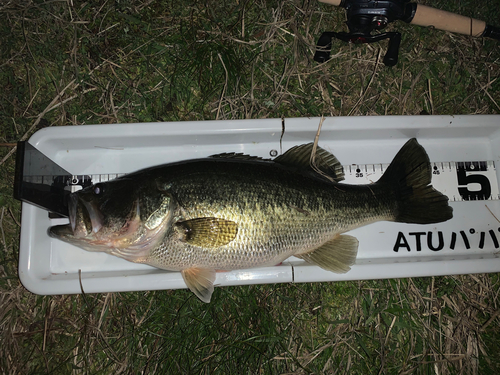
279 212
234 211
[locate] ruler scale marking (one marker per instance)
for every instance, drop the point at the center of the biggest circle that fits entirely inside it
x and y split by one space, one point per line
460 181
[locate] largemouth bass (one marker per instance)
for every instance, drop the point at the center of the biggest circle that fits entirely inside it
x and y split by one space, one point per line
234 211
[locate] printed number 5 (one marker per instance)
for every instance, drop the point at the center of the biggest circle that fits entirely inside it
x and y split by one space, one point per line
464 180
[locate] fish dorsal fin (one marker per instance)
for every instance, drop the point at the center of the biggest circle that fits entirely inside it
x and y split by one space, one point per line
325 162
200 281
337 255
238 156
207 231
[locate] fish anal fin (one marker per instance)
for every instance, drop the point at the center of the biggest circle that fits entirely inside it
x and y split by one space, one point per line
324 162
200 281
207 231
337 255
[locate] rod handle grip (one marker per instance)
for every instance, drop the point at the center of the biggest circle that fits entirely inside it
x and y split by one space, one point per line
331 2
447 21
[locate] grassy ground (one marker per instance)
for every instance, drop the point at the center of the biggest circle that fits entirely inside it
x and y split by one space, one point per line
71 63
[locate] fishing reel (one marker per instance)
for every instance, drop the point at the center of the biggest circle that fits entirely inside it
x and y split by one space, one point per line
366 16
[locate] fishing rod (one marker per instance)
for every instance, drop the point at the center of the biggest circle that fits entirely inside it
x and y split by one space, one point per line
365 16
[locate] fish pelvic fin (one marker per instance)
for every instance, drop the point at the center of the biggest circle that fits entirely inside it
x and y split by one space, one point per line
337 255
409 175
200 281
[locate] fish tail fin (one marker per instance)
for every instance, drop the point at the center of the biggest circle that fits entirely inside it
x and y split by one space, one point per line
409 176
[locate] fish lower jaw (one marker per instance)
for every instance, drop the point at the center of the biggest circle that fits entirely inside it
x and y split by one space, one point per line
138 251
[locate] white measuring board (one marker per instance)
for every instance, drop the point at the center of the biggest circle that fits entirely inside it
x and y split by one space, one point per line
464 151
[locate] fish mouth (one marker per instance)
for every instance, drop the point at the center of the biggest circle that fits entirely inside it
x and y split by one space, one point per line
61 231
127 238
85 219
94 214
72 206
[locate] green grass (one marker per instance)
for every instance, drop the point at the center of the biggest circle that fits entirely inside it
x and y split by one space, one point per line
73 63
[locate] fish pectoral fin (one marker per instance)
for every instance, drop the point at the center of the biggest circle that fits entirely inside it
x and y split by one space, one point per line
200 281
336 255
207 231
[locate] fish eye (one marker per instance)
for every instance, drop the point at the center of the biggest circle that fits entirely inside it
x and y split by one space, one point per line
98 189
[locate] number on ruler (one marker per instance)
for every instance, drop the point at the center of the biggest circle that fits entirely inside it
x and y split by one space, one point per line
464 180
358 172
